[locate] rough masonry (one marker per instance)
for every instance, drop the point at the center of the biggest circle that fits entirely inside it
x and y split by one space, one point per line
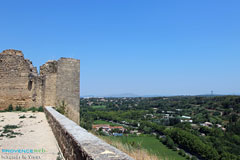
78 144
56 84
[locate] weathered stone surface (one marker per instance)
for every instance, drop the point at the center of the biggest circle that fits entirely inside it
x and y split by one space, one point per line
61 84
68 86
21 85
18 81
78 144
13 52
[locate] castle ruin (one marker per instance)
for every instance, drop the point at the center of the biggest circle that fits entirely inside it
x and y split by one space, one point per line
22 85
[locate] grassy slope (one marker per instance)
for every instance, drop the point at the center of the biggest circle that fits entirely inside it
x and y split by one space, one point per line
153 146
98 107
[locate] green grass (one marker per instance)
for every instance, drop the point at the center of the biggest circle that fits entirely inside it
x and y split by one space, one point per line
99 107
152 144
105 122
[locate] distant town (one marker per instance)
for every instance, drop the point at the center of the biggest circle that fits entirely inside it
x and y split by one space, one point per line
210 123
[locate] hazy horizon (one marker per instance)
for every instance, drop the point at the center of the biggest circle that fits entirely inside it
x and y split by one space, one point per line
138 47
158 95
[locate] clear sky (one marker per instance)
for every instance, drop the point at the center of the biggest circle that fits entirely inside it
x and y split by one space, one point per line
145 47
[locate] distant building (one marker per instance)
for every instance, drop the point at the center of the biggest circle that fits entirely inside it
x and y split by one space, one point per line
206 124
186 117
107 127
117 134
186 120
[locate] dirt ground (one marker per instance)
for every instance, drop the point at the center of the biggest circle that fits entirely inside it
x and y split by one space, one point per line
25 136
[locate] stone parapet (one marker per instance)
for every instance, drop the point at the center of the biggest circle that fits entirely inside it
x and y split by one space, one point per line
78 144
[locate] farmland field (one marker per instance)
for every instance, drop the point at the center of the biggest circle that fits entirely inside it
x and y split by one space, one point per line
98 107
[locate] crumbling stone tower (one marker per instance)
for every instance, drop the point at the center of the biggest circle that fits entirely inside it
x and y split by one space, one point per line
21 85
61 85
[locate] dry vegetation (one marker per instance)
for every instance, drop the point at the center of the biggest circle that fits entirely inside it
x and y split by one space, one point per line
138 154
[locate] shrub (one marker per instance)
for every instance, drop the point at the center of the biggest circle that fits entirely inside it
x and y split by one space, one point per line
33 109
61 108
168 142
21 117
7 127
10 108
194 158
40 109
24 110
181 152
18 108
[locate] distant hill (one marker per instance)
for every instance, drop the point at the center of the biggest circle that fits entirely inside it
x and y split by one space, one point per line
123 95
135 95
90 96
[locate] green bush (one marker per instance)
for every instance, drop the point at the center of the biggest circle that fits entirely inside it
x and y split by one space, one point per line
18 108
193 143
182 153
168 142
10 108
40 109
33 109
194 158
24 110
61 108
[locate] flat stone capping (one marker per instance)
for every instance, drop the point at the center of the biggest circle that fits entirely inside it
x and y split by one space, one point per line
78 144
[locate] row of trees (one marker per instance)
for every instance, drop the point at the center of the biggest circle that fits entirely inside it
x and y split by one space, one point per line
200 147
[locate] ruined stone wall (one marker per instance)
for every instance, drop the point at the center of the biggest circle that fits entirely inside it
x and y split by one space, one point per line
61 85
49 73
68 86
19 83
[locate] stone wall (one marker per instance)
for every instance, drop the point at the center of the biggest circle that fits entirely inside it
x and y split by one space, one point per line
68 86
19 82
61 85
78 144
21 85
49 73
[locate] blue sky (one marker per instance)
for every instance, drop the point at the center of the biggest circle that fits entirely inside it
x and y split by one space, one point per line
150 47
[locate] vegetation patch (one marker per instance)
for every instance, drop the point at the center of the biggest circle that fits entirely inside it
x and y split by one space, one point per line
22 117
33 109
18 108
9 109
130 149
105 122
21 109
8 131
40 109
99 107
61 108
151 144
